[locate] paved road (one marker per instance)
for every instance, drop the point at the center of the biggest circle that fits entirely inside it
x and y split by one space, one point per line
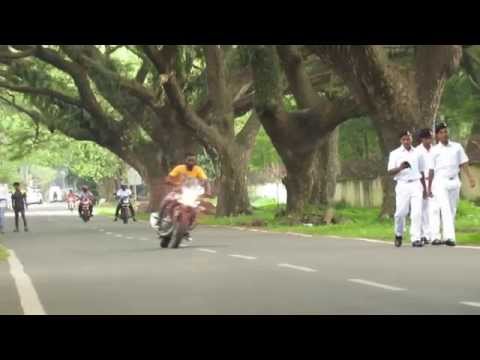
109 268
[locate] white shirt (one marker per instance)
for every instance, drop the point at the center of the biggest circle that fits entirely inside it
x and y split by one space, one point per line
446 160
414 158
4 195
124 193
427 156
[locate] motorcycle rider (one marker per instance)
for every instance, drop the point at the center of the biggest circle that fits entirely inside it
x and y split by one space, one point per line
71 197
175 179
124 192
85 193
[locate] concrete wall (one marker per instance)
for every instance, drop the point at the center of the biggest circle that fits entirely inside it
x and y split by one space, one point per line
358 193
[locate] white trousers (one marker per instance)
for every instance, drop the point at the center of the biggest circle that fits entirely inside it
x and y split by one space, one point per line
446 194
409 197
426 230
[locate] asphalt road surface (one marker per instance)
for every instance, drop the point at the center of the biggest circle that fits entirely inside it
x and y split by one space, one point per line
64 266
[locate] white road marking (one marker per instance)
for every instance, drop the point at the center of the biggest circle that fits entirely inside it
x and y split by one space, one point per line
374 241
297 234
109 233
29 299
207 250
129 237
468 247
144 239
296 267
470 303
243 257
119 235
101 229
374 284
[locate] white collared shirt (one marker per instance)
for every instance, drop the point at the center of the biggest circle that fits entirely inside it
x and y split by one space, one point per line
427 156
124 193
414 158
446 159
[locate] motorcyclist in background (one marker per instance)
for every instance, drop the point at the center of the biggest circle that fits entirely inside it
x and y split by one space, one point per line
86 194
124 192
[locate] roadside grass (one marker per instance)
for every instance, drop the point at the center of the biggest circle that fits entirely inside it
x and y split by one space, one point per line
355 222
3 253
108 210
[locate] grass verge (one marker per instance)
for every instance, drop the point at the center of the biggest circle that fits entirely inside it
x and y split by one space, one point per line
357 223
3 253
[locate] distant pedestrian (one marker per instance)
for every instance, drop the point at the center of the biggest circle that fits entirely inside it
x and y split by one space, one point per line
19 204
407 166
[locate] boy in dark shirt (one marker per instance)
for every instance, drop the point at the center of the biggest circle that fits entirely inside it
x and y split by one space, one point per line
19 203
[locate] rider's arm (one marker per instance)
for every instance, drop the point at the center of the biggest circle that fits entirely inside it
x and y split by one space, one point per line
173 176
204 181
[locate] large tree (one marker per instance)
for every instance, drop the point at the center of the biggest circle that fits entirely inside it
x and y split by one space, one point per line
296 135
397 95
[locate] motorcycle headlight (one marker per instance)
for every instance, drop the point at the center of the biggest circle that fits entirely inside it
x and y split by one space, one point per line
154 220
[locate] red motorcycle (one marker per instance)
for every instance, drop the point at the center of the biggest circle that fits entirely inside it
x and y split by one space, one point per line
85 209
174 225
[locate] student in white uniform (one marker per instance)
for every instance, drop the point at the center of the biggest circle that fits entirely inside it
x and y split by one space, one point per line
425 150
447 159
407 166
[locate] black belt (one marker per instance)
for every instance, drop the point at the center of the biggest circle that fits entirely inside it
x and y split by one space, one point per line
409 181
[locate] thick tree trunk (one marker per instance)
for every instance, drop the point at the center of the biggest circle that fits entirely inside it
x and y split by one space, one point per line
157 190
473 146
233 187
299 184
326 169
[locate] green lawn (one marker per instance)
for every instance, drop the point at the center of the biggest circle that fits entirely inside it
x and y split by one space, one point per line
356 222
3 253
109 211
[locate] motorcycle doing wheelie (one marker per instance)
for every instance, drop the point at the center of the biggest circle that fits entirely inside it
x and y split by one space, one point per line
179 219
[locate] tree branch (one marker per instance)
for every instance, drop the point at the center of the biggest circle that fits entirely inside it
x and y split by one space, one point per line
246 137
300 84
42 91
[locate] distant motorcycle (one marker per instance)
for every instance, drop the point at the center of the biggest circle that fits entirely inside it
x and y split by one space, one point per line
85 209
71 204
173 227
125 209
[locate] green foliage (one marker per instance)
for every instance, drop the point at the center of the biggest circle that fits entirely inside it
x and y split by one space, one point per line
358 140
3 253
460 106
263 154
50 151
